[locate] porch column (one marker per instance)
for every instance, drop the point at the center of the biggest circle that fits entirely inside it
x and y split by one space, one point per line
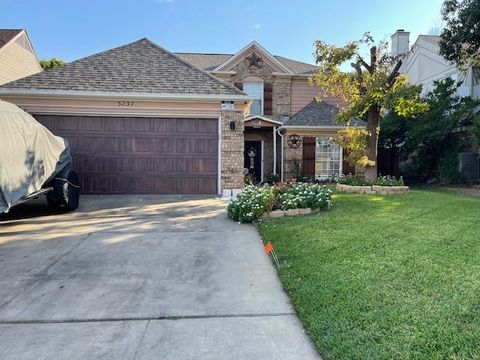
275 150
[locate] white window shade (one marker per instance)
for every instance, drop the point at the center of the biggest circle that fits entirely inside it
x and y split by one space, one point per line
255 90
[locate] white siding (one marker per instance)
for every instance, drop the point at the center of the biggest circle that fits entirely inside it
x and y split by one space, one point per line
17 61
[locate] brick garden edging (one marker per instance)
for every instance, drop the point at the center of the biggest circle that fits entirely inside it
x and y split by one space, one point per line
292 212
373 189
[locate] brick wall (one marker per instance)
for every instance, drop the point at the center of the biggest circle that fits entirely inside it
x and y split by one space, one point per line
232 150
292 160
281 101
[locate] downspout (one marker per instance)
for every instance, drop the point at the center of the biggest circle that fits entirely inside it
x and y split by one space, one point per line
275 150
281 154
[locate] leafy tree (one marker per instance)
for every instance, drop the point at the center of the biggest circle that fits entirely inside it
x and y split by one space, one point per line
429 143
374 86
460 39
476 128
51 63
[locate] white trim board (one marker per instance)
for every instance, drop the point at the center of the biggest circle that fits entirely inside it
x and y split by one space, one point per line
12 92
262 117
219 161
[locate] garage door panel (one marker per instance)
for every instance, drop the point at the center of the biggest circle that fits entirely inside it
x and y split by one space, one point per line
184 127
163 165
165 145
208 146
185 146
164 125
207 126
91 124
141 155
70 123
47 121
133 125
139 144
114 125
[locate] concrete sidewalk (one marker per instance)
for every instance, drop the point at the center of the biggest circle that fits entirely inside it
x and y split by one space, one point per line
141 277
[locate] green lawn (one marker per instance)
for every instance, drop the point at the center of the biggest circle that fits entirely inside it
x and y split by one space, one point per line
385 277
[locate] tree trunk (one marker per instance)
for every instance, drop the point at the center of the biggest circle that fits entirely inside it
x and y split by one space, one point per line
373 121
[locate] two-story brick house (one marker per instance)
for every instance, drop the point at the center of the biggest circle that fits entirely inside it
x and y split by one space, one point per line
144 120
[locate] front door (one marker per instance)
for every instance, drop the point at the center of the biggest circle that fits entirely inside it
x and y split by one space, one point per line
253 159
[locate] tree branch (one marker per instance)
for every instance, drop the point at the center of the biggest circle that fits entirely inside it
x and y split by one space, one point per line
357 68
360 61
373 59
393 75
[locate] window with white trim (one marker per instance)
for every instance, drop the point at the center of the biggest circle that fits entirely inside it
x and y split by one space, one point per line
255 90
328 158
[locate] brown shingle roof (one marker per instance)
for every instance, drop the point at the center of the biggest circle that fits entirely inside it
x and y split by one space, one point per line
8 34
209 62
139 67
317 113
206 62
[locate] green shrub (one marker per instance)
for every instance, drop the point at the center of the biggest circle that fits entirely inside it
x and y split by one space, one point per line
448 169
251 203
353 180
381 181
389 181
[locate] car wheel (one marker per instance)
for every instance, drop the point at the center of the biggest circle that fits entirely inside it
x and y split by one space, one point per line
66 191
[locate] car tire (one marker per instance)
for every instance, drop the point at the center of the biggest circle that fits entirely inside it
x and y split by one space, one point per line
66 191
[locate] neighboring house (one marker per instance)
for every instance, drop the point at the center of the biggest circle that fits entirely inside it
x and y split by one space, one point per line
141 119
423 65
17 57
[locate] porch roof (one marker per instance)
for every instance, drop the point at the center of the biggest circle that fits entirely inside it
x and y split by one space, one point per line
268 120
318 113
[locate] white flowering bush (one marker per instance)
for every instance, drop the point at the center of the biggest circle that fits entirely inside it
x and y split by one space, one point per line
254 201
251 203
304 195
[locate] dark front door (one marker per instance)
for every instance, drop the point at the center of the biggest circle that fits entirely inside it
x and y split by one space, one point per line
309 157
253 159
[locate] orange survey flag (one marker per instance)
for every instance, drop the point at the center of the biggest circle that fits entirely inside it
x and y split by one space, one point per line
268 248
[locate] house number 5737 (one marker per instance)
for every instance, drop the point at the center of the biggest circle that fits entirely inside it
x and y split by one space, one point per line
125 103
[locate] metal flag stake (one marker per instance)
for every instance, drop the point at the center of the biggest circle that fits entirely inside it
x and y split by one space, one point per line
269 251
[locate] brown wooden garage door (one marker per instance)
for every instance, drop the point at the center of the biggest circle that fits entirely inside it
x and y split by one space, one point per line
141 155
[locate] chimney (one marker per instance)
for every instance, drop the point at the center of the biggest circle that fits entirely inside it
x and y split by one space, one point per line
400 42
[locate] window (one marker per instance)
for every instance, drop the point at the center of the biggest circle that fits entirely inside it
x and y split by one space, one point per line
476 75
328 158
255 90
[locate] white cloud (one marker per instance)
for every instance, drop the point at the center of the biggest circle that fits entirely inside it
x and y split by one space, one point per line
257 26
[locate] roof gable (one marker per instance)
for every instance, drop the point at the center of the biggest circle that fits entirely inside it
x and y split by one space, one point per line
253 48
138 67
424 61
7 35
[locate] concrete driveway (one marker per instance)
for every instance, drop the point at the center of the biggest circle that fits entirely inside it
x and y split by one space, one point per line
149 277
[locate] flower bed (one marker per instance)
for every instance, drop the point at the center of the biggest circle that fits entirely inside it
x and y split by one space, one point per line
384 185
278 200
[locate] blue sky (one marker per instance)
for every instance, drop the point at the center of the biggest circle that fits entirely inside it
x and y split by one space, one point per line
71 29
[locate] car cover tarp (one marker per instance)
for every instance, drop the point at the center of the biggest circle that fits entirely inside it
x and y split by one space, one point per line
30 155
